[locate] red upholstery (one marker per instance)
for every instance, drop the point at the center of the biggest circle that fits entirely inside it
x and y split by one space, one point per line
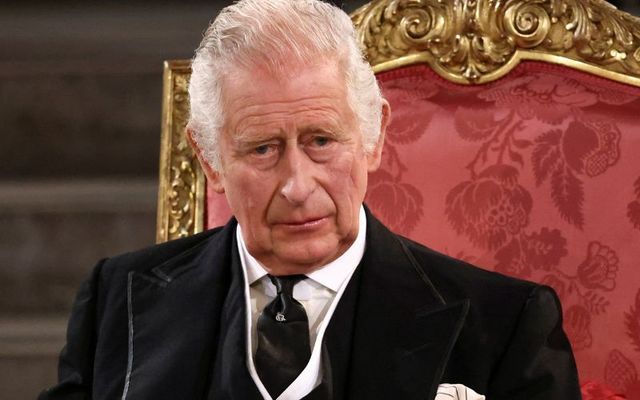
536 175
597 391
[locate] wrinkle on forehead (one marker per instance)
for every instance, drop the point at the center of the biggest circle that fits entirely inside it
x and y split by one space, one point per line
274 103
288 116
281 79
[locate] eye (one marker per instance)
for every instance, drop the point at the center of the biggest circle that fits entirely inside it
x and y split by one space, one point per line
321 141
264 149
321 147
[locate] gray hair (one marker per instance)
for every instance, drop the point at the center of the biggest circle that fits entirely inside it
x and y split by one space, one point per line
270 33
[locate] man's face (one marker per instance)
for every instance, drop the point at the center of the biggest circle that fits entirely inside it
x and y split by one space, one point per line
293 166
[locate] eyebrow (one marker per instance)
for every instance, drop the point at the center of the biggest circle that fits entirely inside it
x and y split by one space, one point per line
249 137
257 136
317 128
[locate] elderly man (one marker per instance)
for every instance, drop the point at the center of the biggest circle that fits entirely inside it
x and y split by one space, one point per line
304 294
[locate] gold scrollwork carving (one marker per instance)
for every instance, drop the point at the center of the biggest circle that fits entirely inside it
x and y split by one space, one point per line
477 41
181 193
527 23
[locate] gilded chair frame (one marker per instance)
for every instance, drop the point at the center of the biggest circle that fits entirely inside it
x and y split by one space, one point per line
181 192
465 41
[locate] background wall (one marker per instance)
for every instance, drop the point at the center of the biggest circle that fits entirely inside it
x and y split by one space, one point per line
80 96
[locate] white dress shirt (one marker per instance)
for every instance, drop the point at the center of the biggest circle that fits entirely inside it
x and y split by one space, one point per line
319 294
457 391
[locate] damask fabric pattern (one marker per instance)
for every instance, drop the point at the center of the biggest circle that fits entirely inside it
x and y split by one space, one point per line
597 391
537 176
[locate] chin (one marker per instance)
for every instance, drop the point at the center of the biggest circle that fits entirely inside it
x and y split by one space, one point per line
308 256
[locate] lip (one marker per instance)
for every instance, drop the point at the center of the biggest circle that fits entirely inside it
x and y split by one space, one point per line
301 225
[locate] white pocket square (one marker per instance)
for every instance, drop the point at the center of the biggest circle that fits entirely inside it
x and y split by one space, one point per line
456 391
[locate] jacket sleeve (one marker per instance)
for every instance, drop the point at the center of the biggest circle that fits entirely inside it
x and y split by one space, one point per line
75 368
538 363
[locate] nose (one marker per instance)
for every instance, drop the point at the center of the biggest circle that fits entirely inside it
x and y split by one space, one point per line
299 182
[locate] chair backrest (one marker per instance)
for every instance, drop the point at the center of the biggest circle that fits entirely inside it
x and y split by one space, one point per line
514 144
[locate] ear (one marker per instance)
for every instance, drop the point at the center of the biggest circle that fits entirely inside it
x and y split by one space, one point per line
214 178
375 157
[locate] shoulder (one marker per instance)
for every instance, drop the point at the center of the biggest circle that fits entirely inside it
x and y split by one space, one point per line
456 272
112 272
508 320
151 256
489 292
105 290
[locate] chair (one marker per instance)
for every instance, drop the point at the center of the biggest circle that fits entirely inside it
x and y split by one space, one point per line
514 144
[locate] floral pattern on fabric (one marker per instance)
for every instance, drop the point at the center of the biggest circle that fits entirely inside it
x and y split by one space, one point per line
489 208
399 202
585 147
632 322
622 376
596 391
528 176
580 147
493 209
633 209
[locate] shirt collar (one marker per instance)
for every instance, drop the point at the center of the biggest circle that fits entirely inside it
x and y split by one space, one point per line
331 275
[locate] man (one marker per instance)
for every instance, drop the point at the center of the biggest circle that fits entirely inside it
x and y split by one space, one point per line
304 294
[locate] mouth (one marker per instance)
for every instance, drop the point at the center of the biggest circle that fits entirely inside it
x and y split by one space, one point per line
303 224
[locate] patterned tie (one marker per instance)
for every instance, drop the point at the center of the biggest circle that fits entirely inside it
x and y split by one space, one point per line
283 337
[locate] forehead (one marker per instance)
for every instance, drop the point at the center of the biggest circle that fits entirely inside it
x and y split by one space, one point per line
298 92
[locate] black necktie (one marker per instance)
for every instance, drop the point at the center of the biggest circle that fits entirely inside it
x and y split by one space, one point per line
283 338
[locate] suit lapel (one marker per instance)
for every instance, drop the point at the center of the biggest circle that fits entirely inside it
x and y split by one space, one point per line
172 334
404 331
231 378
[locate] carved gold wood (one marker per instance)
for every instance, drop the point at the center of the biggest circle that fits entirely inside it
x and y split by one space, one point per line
477 41
465 41
181 193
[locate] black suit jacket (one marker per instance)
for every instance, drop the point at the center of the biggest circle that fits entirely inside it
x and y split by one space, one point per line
167 322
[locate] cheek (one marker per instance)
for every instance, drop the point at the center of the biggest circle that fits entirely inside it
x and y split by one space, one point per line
347 183
250 193
340 172
351 171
